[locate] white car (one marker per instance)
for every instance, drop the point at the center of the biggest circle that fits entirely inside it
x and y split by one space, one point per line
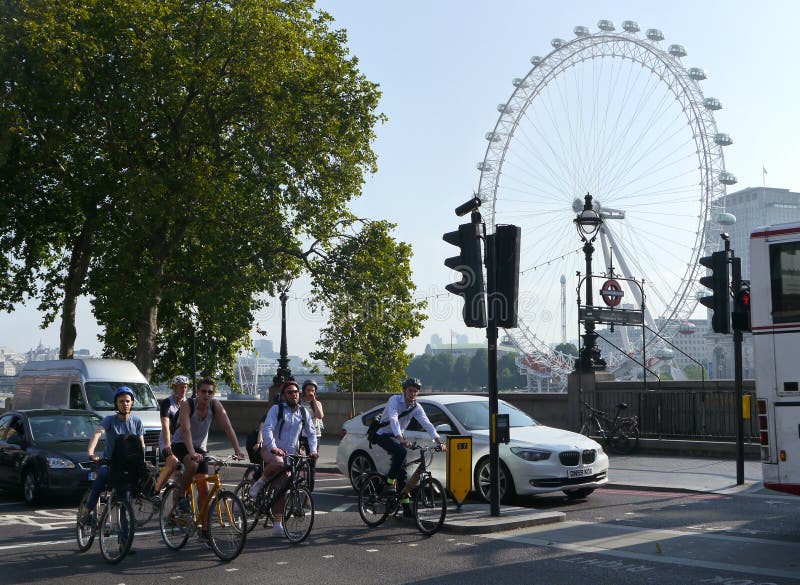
538 459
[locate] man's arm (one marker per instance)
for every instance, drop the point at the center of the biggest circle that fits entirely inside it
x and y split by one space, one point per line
269 427
394 420
422 418
226 424
311 434
93 443
164 411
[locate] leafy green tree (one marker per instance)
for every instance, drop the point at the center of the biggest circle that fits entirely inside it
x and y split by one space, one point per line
420 367
163 155
460 378
508 373
441 371
365 283
479 369
567 349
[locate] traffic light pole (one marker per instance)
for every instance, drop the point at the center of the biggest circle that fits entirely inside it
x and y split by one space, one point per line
491 343
738 336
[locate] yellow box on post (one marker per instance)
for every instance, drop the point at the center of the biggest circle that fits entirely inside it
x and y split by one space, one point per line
746 406
459 466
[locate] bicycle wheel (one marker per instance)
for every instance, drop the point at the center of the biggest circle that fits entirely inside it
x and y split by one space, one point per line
84 532
298 514
430 506
174 526
117 526
143 509
591 428
251 506
373 507
625 439
227 525
305 474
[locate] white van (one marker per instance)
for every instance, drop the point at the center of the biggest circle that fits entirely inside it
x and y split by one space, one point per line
87 384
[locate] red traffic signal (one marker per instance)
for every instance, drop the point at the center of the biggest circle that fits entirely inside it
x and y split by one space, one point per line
740 317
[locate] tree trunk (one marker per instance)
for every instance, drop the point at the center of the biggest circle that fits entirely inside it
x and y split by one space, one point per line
146 340
76 275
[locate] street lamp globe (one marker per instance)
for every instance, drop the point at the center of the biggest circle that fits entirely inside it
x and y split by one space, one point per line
588 221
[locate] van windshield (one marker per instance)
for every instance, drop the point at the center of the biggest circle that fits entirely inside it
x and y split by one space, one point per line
101 395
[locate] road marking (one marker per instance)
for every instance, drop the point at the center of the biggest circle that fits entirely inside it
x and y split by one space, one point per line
343 507
618 541
373 550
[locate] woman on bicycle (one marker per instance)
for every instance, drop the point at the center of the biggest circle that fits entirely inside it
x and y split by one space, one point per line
281 432
114 426
309 401
397 415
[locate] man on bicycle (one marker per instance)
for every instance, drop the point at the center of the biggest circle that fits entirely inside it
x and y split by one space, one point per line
189 443
168 410
281 432
113 426
396 416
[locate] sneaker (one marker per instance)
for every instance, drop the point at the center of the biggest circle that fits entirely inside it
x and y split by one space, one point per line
184 506
277 529
255 489
407 513
390 488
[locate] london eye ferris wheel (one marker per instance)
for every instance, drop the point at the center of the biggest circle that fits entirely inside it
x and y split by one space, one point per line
618 115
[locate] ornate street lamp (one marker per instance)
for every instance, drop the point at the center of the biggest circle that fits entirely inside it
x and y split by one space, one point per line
283 373
588 223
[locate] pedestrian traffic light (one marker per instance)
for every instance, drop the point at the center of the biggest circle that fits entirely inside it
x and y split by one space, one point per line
740 317
469 264
503 290
717 281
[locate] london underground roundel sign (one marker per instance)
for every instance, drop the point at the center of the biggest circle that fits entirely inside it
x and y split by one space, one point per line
611 292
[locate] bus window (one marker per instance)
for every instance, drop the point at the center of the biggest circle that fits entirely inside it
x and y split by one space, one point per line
784 262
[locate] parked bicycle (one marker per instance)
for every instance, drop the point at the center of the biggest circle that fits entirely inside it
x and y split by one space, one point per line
227 518
298 508
620 434
429 500
113 519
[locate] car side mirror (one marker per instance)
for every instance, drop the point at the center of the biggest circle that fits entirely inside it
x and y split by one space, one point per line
444 428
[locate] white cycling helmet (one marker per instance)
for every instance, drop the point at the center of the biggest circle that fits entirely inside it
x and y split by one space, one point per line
180 380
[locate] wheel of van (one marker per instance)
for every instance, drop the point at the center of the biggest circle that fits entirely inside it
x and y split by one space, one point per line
360 465
31 490
482 482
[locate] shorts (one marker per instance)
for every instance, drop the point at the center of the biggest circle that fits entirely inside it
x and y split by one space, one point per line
180 451
270 457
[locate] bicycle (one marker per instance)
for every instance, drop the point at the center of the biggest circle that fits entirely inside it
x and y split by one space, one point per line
621 433
429 504
298 508
227 518
116 525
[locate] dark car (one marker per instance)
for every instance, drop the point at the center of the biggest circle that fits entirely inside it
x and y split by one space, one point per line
43 452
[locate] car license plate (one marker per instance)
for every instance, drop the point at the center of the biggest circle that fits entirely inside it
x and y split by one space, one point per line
583 472
92 475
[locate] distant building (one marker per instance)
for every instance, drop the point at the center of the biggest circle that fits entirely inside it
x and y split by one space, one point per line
467 349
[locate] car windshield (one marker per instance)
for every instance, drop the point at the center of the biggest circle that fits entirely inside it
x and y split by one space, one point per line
63 427
474 415
101 395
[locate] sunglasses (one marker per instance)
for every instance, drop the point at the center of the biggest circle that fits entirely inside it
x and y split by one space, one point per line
206 392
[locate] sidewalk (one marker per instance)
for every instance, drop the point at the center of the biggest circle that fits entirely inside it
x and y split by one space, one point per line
651 472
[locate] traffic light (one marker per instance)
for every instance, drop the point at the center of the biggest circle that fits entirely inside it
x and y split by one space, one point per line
470 265
717 281
503 290
740 317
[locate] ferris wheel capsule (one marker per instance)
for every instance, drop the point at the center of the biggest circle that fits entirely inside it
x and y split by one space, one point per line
687 328
519 82
713 104
605 25
580 31
677 50
727 178
723 139
493 136
696 73
558 43
725 218
654 34
535 60
630 26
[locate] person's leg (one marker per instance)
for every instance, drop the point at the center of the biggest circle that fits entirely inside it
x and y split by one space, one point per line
397 452
97 487
170 465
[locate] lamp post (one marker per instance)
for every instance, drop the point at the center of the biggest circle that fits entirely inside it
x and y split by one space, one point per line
588 223
195 321
283 373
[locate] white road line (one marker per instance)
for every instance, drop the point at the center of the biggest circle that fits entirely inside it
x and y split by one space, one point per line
343 507
630 536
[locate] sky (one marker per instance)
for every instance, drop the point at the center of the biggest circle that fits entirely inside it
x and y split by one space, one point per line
443 67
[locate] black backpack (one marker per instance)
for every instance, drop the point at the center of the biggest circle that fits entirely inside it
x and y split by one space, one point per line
280 416
128 467
372 429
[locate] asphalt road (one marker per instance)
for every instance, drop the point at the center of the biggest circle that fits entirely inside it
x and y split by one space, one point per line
615 536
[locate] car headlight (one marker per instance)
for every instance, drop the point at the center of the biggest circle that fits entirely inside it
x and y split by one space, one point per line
59 463
530 454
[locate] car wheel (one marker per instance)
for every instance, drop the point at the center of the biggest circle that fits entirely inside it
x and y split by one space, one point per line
482 482
578 493
360 465
30 488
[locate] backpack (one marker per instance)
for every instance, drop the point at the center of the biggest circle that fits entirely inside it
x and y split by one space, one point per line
280 416
250 442
127 463
372 429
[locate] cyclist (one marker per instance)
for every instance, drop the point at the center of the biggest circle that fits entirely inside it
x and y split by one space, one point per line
281 432
114 426
189 443
309 401
396 416
168 409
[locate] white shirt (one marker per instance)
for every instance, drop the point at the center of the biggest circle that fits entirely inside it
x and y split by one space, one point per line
397 424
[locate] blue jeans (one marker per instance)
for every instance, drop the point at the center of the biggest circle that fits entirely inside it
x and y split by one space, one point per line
99 485
397 451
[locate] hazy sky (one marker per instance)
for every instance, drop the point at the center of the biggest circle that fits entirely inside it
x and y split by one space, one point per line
443 68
